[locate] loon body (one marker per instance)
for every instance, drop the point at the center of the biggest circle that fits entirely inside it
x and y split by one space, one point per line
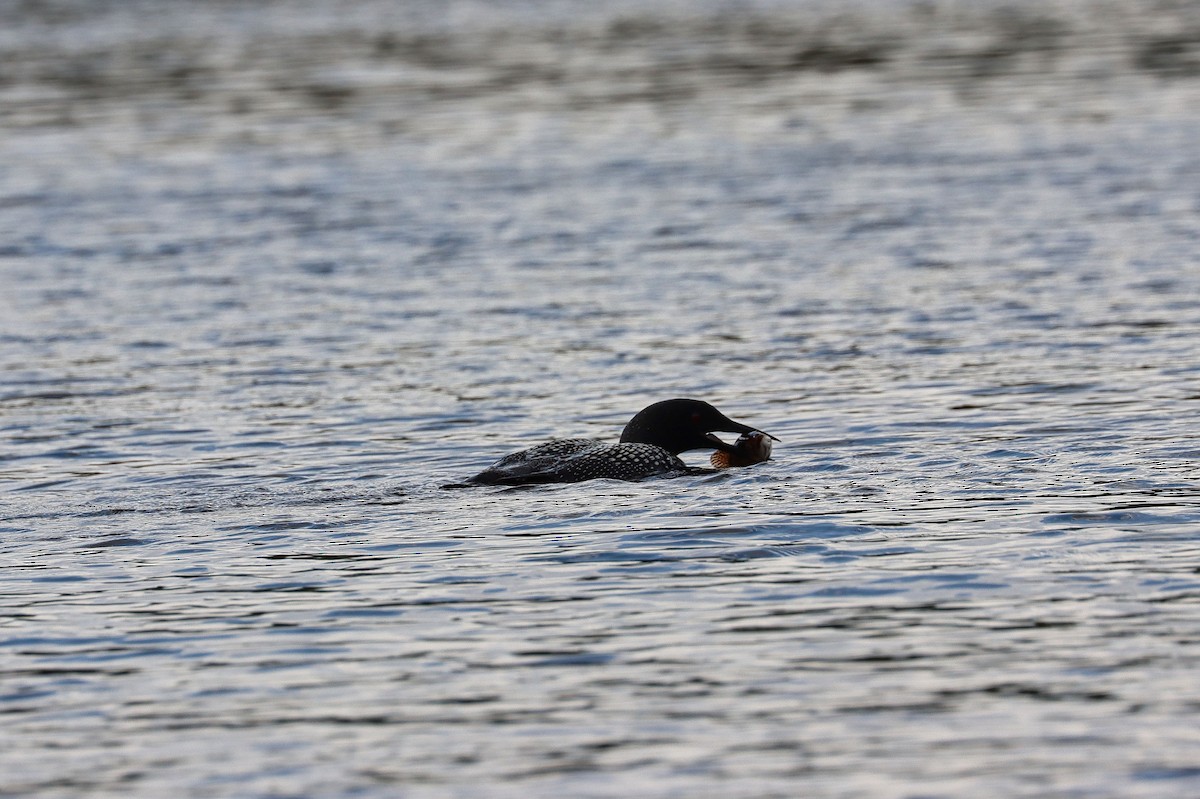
650 445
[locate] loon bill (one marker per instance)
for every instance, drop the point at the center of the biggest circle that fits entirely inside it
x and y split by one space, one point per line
649 446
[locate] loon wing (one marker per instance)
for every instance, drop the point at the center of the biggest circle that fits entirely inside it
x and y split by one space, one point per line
573 460
625 461
531 465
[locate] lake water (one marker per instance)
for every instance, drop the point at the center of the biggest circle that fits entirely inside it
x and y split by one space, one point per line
274 274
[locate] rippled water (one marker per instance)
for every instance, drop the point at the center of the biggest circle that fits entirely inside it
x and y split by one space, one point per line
274 275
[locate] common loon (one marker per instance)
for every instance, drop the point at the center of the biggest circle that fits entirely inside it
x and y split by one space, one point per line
649 446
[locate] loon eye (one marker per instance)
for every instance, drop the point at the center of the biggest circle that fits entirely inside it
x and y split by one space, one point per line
696 417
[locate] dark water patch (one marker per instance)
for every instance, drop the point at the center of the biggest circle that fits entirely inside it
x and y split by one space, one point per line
753 553
1170 56
1155 773
119 541
568 659
1034 692
374 612
1115 518
854 591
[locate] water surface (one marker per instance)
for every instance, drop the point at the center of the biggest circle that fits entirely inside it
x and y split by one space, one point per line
273 276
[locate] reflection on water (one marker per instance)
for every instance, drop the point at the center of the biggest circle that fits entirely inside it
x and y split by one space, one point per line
274 274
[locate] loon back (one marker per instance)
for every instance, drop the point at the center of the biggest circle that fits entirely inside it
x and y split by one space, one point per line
572 460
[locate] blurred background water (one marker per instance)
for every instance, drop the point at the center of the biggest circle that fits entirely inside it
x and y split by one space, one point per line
274 273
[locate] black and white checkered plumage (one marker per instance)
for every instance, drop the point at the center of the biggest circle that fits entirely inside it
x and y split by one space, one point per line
571 460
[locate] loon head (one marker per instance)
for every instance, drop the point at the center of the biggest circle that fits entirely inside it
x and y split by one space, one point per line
678 425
